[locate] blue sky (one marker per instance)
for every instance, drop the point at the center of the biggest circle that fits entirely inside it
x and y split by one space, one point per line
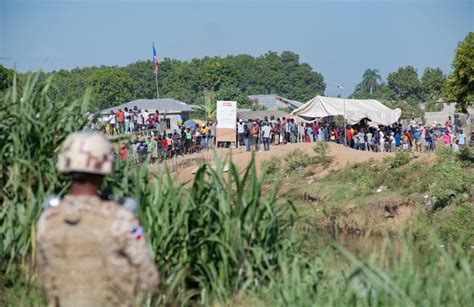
340 39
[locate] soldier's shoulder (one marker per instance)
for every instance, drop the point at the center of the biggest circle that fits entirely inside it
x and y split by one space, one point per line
49 213
47 218
116 210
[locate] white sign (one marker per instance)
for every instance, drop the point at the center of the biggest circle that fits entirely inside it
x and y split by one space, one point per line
226 114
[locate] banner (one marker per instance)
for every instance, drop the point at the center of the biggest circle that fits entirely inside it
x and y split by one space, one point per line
226 114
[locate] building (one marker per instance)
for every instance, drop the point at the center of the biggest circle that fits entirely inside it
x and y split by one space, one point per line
245 115
170 109
275 102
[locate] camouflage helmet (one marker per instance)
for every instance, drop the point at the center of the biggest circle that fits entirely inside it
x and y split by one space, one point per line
86 152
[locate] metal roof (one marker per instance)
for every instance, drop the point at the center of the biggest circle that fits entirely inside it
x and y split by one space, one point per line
275 102
246 115
165 104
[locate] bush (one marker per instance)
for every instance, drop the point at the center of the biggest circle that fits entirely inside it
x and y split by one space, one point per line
465 155
400 158
321 150
271 166
451 183
444 153
297 160
458 227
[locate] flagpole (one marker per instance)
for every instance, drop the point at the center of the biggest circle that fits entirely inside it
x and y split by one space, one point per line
155 65
156 81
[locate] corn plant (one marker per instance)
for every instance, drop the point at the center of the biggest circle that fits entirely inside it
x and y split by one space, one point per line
32 127
217 237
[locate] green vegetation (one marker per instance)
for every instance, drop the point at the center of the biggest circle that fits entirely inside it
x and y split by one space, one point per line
298 161
405 90
460 83
370 196
32 127
230 77
223 241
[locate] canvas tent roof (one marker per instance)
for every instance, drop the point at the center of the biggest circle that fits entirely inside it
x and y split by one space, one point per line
355 110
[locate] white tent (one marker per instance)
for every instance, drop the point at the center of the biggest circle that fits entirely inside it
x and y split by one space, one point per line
355 110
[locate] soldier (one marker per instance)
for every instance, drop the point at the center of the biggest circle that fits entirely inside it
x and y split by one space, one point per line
91 252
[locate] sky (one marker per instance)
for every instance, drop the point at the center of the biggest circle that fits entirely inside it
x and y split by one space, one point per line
339 39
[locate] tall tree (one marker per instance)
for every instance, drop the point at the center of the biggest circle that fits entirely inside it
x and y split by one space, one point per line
404 82
110 86
271 73
460 84
233 93
432 83
369 80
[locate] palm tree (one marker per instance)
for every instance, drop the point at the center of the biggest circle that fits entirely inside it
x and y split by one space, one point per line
369 80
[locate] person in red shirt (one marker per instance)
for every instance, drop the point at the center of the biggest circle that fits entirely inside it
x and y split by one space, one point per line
349 137
150 122
164 142
123 149
156 118
121 121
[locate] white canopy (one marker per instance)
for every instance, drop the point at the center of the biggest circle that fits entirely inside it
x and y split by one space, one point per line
356 109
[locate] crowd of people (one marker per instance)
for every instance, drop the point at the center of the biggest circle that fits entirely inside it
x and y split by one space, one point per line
415 137
155 143
128 121
159 144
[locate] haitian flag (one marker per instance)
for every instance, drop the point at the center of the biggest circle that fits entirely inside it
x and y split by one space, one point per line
155 60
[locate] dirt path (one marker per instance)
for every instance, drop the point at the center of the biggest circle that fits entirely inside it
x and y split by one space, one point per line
183 167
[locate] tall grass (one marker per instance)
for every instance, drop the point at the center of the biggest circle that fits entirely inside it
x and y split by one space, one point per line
31 129
216 238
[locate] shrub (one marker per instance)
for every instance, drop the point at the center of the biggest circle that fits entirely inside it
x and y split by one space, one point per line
400 158
465 155
458 227
444 153
297 160
321 150
271 166
451 183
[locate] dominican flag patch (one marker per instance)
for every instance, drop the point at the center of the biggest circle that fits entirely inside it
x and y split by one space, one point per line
137 233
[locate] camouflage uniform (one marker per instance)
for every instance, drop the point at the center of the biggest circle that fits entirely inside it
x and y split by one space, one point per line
92 252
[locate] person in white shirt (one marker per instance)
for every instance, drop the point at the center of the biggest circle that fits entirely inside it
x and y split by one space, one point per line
144 119
381 141
240 133
112 122
392 142
369 138
266 136
126 114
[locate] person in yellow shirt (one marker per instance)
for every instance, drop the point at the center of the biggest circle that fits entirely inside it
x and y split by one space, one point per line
204 135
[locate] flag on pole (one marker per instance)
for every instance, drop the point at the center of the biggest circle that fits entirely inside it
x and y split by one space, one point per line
155 60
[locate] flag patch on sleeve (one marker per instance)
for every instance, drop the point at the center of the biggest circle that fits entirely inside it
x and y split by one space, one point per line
137 233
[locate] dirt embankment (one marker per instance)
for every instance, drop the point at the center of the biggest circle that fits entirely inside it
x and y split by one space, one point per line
381 214
183 167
